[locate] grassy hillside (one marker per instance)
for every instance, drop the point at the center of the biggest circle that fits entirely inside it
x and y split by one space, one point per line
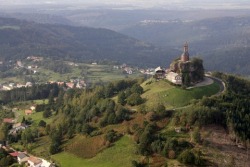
94 150
120 154
172 96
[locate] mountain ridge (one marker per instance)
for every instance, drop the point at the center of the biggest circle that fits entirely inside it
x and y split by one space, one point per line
20 39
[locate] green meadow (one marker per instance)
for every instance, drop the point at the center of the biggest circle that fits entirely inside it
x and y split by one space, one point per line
118 155
174 96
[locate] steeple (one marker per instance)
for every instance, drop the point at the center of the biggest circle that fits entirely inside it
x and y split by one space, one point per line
185 54
186 47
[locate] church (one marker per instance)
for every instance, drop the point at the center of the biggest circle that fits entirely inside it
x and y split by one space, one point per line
185 71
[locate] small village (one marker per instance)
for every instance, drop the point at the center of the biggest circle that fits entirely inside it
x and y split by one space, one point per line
22 156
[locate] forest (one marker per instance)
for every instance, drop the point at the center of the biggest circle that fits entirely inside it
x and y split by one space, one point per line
87 112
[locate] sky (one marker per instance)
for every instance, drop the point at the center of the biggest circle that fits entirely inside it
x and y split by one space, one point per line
138 3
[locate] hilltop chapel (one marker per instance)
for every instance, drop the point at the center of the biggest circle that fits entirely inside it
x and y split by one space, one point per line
185 71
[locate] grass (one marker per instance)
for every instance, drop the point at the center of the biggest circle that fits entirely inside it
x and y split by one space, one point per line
119 155
36 117
172 96
41 147
86 147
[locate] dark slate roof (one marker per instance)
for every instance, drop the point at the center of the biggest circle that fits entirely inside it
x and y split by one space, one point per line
22 155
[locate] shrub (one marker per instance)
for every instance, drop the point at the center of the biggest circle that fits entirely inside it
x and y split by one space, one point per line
187 157
171 154
42 123
134 99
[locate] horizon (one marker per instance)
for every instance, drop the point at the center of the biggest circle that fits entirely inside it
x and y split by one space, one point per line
165 4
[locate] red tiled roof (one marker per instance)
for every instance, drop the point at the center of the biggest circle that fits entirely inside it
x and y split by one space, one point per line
35 160
28 111
14 154
8 120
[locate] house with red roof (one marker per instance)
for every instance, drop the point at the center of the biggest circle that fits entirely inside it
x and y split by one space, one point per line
9 120
28 112
34 162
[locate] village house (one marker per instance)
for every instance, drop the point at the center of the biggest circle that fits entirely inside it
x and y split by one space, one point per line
28 84
128 70
159 73
34 58
8 120
174 78
14 154
20 85
6 87
28 112
33 107
38 162
70 84
12 85
20 126
22 157
19 64
34 162
17 127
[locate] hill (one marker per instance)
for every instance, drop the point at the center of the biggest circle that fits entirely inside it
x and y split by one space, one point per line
20 39
126 123
171 96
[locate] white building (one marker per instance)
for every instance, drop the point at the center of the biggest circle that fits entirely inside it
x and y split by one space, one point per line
174 78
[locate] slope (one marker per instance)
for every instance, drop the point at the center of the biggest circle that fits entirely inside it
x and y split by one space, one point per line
163 92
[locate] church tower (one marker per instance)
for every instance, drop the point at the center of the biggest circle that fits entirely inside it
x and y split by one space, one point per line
185 54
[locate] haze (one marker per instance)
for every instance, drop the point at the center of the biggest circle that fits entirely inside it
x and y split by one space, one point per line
189 4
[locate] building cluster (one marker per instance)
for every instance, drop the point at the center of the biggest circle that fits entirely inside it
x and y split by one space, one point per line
35 58
22 157
29 160
182 71
32 68
73 83
126 69
12 85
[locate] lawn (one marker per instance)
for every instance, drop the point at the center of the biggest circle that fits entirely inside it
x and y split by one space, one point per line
173 96
119 155
36 117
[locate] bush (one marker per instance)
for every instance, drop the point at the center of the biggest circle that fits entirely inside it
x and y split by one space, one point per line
134 99
171 154
47 114
191 157
42 123
196 136
187 157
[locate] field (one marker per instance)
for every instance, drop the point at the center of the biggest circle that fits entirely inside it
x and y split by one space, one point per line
92 74
119 155
173 96
35 116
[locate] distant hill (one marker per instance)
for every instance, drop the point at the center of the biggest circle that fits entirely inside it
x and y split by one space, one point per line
222 42
19 39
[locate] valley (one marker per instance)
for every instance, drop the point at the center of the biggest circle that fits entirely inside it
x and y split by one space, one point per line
106 84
